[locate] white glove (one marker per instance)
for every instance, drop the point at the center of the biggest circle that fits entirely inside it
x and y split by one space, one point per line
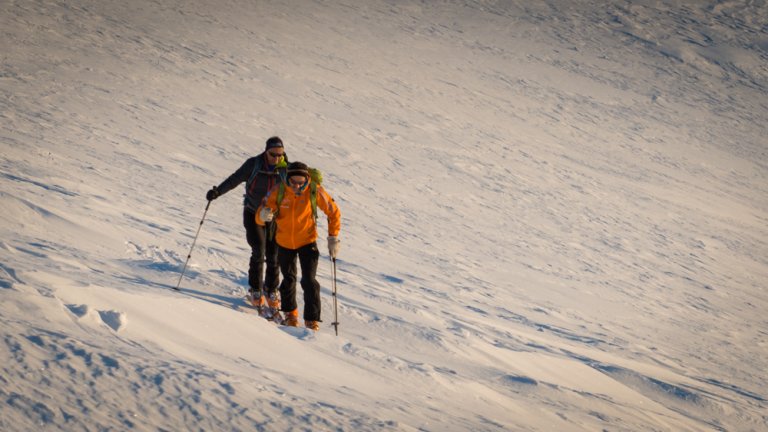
333 246
266 214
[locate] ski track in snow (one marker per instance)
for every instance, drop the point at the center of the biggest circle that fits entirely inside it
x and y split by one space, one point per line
554 215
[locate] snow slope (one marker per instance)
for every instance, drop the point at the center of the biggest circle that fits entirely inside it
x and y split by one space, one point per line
555 214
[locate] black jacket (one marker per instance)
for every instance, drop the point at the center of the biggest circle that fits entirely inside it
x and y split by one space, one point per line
258 180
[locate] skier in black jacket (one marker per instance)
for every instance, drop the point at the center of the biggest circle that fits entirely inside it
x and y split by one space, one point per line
260 173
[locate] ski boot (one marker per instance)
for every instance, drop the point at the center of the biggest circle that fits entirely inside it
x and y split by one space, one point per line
272 311
291 318
256 300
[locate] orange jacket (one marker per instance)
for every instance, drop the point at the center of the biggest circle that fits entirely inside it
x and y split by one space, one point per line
295 223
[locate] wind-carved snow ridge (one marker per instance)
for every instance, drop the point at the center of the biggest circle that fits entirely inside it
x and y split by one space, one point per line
112 319
7 277
554 215
153 257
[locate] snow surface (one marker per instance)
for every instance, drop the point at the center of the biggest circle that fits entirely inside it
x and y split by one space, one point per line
555 214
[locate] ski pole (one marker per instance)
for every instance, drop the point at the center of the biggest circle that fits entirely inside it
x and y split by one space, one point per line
193 245
335 300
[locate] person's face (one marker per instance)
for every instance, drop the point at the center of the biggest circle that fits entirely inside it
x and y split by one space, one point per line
274 155
297 182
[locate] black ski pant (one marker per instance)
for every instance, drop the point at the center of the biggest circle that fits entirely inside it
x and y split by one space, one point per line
262 250
308 258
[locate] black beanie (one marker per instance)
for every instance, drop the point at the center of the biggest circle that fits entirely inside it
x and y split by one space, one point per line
297 169
274 142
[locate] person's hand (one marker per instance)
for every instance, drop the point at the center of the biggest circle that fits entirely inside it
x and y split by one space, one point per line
212 194
334 244
266 214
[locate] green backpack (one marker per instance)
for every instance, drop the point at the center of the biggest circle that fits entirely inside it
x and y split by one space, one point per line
317 179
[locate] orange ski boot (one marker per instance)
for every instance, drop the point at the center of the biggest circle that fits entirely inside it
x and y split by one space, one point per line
291 318
312 325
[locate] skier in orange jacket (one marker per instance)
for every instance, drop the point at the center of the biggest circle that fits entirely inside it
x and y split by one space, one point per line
296 236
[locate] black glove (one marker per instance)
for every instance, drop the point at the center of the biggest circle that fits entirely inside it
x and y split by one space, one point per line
212 194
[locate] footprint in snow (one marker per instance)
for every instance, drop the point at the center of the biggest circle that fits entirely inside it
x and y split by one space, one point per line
78 310
114 319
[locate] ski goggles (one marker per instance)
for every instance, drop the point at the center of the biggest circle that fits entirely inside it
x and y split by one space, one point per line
297 181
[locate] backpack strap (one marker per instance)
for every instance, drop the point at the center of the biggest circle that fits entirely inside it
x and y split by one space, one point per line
313 199
257 166
280 196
